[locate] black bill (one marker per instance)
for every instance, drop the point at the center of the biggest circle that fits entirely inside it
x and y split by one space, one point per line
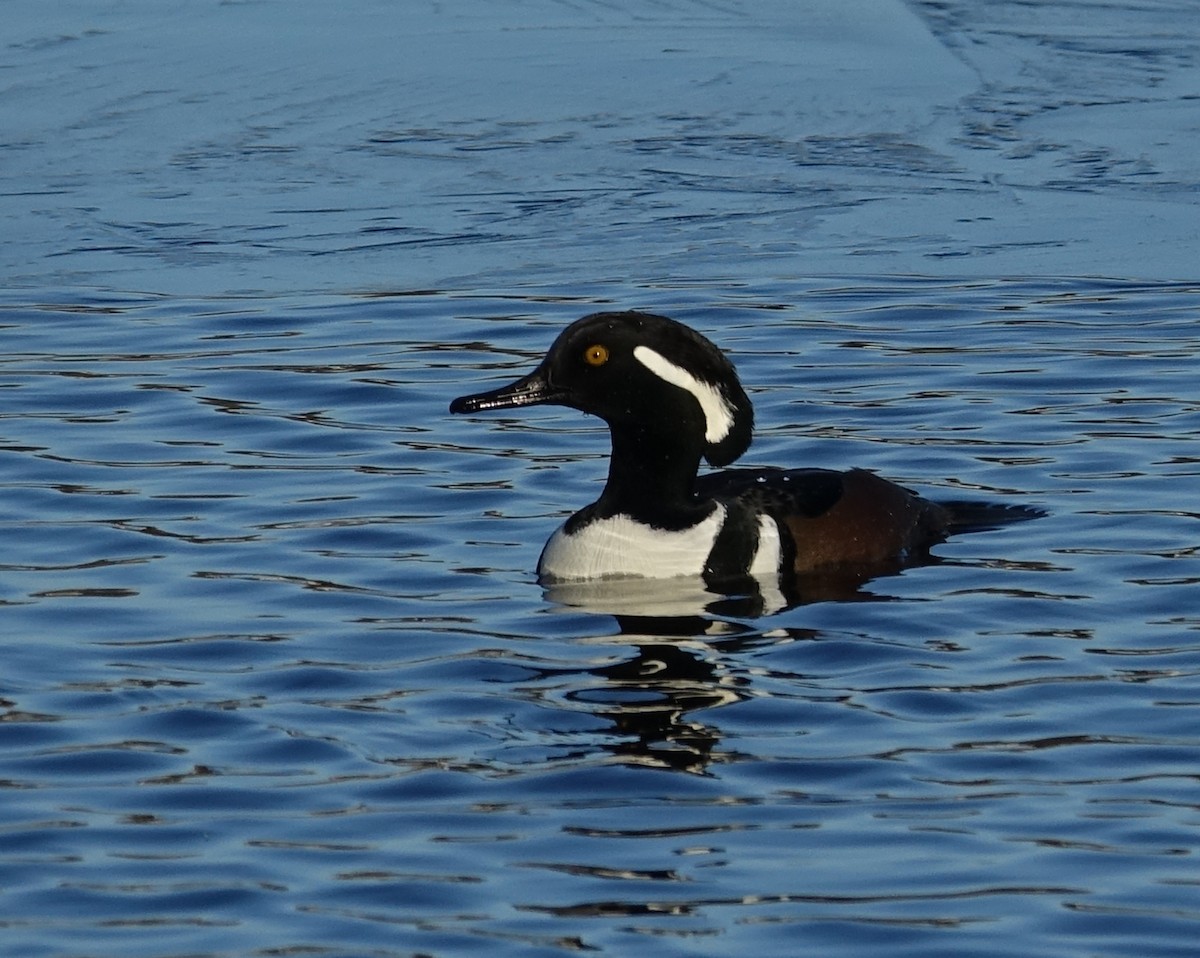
530 390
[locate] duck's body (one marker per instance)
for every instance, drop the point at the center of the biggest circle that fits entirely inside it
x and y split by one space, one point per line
670 397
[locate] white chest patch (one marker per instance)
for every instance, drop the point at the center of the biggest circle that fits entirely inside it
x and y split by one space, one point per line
619 546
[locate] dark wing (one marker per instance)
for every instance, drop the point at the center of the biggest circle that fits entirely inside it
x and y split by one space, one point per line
805 492
855 518
829 518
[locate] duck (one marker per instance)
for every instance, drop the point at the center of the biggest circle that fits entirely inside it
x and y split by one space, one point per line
671 398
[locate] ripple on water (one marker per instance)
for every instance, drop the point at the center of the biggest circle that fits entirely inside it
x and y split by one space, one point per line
276 668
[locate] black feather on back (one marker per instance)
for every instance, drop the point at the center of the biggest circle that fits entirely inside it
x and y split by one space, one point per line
805 492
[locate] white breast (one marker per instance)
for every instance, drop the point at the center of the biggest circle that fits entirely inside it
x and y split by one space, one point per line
620 546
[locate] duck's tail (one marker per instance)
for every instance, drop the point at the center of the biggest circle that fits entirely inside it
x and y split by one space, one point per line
972 516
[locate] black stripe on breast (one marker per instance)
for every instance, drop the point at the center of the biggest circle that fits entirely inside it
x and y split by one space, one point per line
735 545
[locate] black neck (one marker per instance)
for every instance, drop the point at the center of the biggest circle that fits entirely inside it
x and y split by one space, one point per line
652 477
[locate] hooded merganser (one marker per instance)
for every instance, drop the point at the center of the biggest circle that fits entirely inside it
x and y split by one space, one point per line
670 397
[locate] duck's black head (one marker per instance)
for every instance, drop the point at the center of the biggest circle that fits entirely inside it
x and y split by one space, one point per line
638 372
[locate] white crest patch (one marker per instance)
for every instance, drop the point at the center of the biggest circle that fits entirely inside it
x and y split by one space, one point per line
621 546
718 412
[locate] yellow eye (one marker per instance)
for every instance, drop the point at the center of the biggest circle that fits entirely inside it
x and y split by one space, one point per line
596 355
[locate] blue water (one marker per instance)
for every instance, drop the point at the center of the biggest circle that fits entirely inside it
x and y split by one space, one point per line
276 676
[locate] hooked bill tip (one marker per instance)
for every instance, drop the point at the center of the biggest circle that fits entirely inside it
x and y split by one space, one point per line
464 404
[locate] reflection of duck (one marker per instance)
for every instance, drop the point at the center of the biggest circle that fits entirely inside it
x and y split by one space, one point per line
680 666
670 397
664 599
649 700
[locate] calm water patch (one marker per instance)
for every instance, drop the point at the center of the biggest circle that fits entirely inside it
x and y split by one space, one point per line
277 674
476 145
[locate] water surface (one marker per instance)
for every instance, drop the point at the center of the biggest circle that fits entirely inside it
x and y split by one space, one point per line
276 676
